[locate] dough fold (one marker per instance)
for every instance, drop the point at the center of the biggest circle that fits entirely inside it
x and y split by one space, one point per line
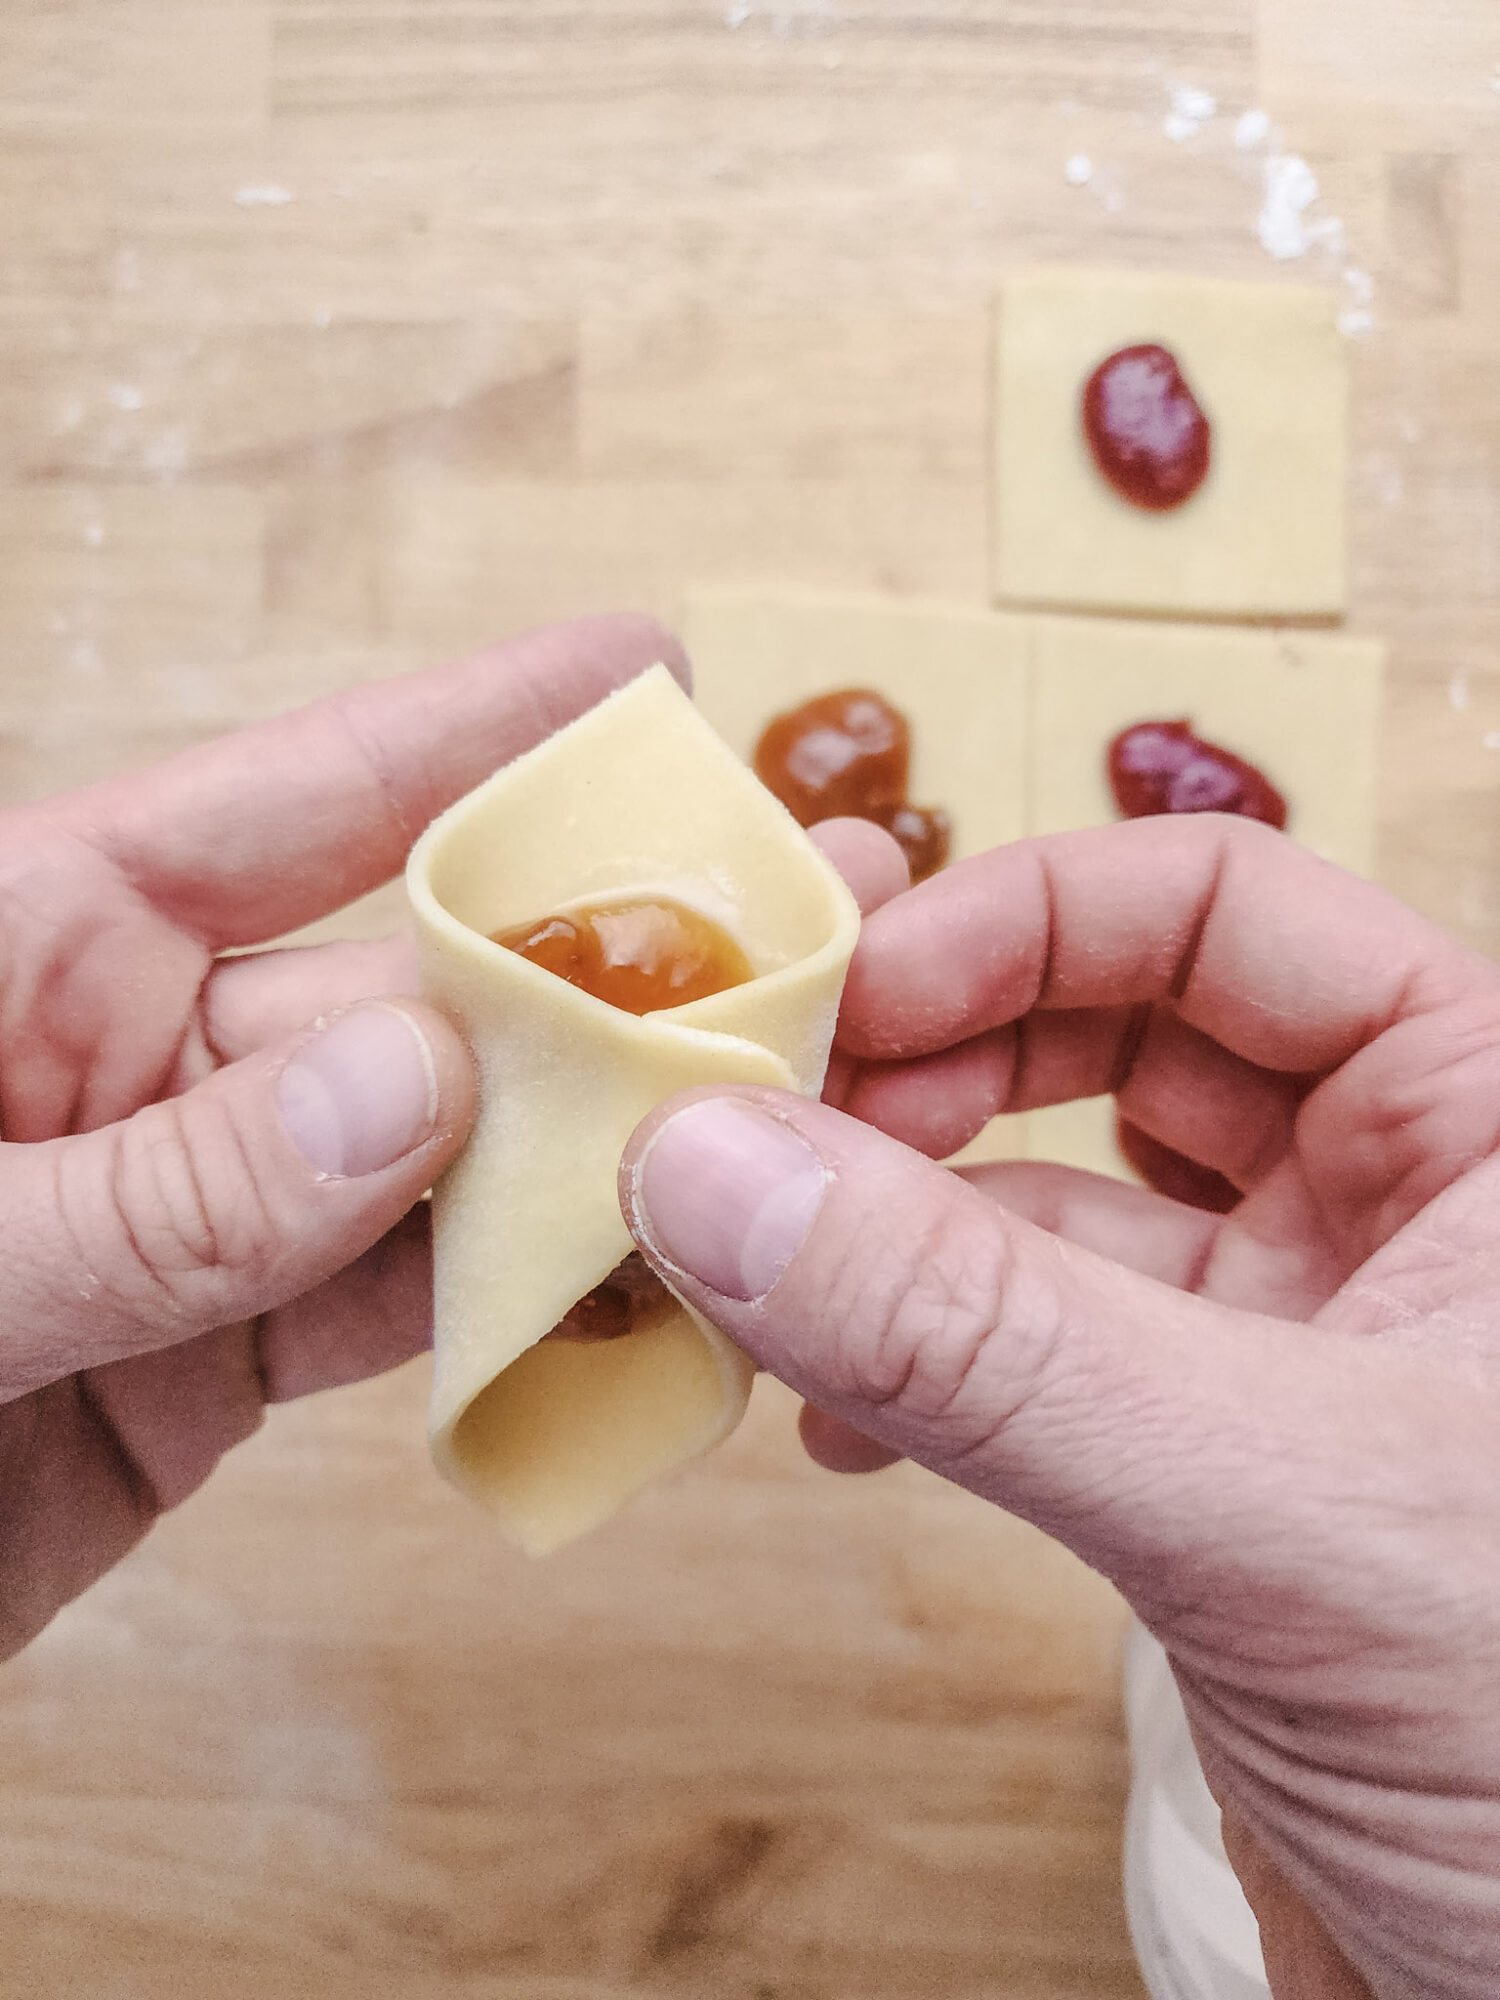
639 796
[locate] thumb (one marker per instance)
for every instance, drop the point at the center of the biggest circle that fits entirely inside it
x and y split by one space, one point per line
1142 1426
222 1203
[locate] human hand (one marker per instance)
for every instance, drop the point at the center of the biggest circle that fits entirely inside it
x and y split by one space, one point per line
1273 1429
211 1205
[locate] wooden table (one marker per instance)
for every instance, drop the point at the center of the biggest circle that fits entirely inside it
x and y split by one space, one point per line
338 337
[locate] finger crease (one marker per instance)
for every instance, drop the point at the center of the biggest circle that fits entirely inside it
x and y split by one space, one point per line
1050 942
1186 968
1128 1048
1196 1275
367 747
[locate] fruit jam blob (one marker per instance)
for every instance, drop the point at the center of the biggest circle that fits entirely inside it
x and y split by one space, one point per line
848 754
639 955
1145 428
630 1292
1162 767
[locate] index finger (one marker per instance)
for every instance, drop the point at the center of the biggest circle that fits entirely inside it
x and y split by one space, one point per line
1274 953
247 837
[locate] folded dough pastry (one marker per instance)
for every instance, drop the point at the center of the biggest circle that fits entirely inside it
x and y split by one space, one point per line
638 797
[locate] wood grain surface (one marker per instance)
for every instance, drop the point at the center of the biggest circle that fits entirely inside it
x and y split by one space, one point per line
339 335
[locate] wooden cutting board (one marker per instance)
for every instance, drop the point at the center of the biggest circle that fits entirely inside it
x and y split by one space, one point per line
335 338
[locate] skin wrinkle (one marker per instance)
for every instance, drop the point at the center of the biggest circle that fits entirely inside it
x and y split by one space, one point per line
183 1223
1128 1049
118 1166
1045 970
1195 1277
1186 968
28 1366
1371 1859
367 744
949 1366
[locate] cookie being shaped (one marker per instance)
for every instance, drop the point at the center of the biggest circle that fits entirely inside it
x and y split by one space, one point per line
1259 534
638 798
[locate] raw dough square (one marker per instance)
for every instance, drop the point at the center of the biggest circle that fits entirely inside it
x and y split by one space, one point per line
1303 706
1264 535
961 678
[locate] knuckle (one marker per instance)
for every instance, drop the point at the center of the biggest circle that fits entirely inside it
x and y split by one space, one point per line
949 1326
183 1214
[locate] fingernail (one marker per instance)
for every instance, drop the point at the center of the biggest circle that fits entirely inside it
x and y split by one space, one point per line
728 1194
361 1093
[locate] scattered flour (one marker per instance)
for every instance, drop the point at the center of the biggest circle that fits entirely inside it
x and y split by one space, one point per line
1079 170
126 396
1356 317
263 194
1458 692
1290 187
1191 110
791 17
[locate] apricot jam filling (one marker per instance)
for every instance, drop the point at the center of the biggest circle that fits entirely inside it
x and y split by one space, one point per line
640 955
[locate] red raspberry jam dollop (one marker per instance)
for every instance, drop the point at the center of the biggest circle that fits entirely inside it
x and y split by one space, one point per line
1162 767
849 753
1145 427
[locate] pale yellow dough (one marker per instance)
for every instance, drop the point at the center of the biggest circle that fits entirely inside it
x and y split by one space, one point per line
1303 706
1264 535
1012 715
638 795
959 676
